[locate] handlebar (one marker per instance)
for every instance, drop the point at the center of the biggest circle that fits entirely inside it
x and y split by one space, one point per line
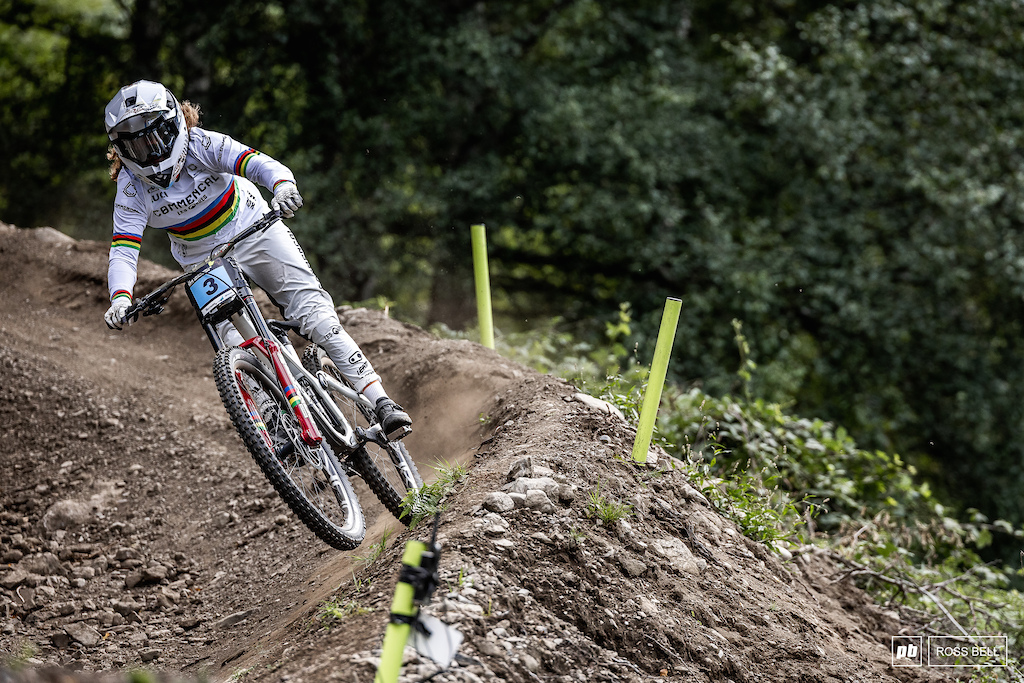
153 303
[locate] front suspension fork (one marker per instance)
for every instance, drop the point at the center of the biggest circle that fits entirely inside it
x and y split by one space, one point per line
270 349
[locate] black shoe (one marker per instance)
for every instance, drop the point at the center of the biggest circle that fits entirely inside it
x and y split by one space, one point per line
391 416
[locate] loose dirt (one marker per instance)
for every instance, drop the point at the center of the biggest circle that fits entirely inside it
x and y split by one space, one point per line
136 532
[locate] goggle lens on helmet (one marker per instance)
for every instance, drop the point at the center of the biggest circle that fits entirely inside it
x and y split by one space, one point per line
150 145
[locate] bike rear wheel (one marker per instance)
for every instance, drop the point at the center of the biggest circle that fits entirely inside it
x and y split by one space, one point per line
310 480
387 469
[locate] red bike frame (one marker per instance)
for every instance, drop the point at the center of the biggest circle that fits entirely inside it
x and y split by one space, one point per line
270 349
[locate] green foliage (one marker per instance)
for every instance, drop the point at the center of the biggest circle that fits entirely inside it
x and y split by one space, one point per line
376 549
895 227
810 459
752 500
17 658
608 511
843 178
428 500
338 610
789 481
747 366
804 485
551 346
55 61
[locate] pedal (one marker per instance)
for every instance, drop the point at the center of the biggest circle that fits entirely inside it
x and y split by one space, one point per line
400 434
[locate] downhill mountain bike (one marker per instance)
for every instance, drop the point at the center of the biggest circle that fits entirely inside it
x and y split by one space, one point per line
301 420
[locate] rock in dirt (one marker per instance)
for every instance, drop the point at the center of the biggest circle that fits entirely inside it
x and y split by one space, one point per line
189 623
123 554
154 573
497 501
648 607
678 555
530 662
526 484
126 607
82 633
11 556
538 500
12 580
45 564
631 565
25 599
67 514
490 649
597 404
566 493
132 579
232 619
523 467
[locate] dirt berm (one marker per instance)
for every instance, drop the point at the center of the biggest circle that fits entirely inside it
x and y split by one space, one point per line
137 533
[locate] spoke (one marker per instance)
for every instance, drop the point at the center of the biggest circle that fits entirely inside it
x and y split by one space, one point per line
278 428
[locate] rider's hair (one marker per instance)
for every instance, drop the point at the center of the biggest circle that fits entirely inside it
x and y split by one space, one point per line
191 112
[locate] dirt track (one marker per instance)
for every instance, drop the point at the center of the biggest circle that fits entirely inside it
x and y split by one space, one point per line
136 532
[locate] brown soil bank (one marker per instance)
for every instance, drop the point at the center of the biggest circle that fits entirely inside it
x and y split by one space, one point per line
135 532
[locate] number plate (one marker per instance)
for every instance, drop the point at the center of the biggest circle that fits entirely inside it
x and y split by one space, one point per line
211 289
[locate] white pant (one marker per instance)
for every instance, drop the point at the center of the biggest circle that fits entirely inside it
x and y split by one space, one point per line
275 262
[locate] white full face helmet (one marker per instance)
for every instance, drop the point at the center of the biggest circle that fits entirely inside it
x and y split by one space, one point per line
147 127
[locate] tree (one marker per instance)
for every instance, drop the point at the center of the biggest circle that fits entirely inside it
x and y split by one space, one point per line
56 60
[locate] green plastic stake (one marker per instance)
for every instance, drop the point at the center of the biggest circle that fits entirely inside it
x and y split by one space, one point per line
397 633
656 381
483 285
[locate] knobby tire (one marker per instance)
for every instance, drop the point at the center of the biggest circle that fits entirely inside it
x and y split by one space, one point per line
260 412
377 465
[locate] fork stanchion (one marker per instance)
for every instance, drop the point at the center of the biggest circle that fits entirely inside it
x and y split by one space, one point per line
483 285
656 380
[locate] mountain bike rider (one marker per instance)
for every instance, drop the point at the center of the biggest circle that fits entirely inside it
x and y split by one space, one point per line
198 186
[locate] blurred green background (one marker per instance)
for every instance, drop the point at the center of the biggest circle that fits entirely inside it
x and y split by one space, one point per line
844 178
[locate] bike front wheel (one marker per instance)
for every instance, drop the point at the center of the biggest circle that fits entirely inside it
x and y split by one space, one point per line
309 479
387 469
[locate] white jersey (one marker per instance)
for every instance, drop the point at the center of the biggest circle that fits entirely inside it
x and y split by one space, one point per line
212 200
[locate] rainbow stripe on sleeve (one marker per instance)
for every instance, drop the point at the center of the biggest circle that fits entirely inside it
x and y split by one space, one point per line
121 292
220 213
242 162
122 239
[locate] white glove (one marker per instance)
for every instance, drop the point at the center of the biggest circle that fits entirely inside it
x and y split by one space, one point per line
286 199
116 312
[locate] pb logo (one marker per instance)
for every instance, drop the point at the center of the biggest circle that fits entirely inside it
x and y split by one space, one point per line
906 650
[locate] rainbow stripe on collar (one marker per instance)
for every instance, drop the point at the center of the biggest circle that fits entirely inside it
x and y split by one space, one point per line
220 213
